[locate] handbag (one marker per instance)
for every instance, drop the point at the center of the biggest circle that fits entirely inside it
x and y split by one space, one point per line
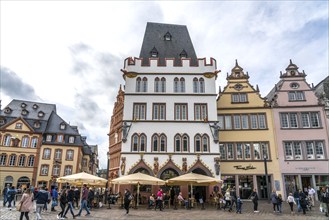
18 206
252 197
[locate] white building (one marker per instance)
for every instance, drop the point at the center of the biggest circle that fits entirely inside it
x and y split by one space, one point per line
169 108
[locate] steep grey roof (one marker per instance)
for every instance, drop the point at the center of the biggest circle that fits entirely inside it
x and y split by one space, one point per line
322 88
154 40
32 109
86 150
54 124
271 94
94 149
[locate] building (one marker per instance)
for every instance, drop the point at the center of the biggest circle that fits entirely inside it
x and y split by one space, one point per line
37 145
115 136
301 132
246 137
169 109
322 92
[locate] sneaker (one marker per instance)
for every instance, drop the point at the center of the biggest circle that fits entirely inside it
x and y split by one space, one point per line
87 214
256 211
58 217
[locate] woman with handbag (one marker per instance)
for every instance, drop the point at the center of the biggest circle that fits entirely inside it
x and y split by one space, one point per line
26 204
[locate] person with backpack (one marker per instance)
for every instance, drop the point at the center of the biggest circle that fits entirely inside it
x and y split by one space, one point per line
11 196
62 203
127 199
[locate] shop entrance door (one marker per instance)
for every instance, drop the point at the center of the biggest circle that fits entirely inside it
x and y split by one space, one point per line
306 182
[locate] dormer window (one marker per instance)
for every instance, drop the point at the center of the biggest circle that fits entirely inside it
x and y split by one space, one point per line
41 114
18 126
62 126
24 112
167 37
154 52
8 110
36 124
183 54
35 106
2 121
23 105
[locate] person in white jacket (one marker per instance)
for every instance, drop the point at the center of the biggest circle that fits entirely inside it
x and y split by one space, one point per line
291 201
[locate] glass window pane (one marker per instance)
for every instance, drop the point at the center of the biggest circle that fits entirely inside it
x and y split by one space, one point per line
297 151
239 151
230 151
305 120
293 120
245 122
254 123
247 151
228 122
284 120
315 119
257 151
222 151
261 121
237 124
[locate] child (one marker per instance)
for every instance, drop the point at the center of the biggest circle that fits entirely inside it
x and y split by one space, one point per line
238 205
279 203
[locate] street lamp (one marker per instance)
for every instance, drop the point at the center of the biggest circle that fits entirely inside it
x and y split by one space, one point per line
266 176
107 177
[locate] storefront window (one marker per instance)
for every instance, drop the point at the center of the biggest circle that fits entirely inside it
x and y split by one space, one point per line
229 181
320 181
246 185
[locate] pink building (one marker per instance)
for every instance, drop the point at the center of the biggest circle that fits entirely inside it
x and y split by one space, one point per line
301 131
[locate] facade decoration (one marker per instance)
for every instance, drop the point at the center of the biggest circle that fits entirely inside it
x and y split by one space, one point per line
217 165
184 165
156 165
123 165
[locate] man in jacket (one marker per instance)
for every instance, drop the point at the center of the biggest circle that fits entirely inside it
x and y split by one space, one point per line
84 198
11 196
54 195
4 193
70 201
41 199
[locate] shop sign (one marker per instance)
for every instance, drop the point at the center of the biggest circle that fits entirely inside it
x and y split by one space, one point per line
305 168
240 167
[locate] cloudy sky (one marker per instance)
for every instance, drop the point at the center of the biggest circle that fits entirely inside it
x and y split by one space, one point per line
70 53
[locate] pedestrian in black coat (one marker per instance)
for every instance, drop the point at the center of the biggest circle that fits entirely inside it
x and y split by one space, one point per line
127 199
254 199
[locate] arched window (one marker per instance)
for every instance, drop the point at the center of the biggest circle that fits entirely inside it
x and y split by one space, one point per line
195 85
138 84
142 143
163 84
135 142
177 143
30 162
12 160
182 84
197 141
186 143
25 141
155 142
144 84
205 143
201 85
21 161
176 84
157 85
163 143
3 159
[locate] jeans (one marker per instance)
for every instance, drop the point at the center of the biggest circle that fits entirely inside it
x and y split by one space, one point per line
69 207
83 206
5 199
299 208
63 209
279 207
38 211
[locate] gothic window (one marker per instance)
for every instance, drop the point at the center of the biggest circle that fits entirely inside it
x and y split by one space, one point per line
186 143
195 85
182 84
163 84
176 85
178 143
138 84
144 84
201 85
197 142
157 85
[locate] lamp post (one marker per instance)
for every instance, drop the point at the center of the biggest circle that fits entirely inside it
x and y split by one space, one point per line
107 177
266 176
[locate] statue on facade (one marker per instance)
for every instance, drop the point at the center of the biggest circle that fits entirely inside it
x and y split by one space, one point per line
215 132
184 166
217 165
123 165
156 165
125 130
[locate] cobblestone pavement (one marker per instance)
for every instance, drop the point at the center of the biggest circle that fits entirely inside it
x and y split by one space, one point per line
210 212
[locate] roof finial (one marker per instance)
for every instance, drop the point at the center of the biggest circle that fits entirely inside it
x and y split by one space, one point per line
290 61
257 88
280 73
236 62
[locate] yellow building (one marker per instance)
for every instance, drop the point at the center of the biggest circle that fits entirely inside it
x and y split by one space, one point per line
246 138
37 146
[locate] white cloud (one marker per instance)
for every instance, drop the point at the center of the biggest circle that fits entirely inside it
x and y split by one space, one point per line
71 53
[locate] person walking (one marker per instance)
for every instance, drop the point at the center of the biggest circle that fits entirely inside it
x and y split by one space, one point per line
62 202
159 199
76 197
296 197
291 201
54 196
254 199
238 205
26 204
227 197
84 198
302 199
311 195
4 193
127 199
70 201
11 196
274 200
279 203
324 198
233 198
91 197
41 199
